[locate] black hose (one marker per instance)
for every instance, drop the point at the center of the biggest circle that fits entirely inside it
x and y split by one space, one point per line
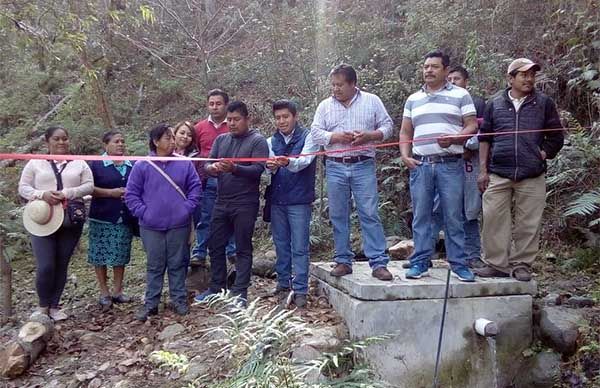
439 347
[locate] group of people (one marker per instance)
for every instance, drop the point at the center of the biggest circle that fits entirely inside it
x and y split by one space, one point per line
169 200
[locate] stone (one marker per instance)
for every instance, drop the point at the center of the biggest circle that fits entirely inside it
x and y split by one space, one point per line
539 371
263 267
95 383
325 339
198 367
391 241
559 329
409 312
271 255
123 384
551 300
85 376
171 331
14 360
580 301
551 257
91 338
305 353
402 250
104 367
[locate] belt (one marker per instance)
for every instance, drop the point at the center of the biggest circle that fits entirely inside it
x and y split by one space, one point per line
438 158
350 159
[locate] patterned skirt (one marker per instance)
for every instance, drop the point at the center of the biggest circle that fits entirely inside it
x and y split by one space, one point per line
109 244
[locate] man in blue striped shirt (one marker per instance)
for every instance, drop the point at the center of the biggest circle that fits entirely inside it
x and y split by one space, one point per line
349 118
432 151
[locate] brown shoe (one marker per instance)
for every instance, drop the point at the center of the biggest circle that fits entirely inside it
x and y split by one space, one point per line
489 272
522 274
341 270
382 273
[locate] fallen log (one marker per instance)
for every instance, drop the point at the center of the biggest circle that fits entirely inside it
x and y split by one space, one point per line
20 353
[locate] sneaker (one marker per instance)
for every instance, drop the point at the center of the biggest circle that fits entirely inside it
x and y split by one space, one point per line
417 271
57 314
105 302
382 273
241 302
463 273
122 298
522 274
407 264
341 270
144 312
40 311
490 272
181 309
300 300
475 263
203 296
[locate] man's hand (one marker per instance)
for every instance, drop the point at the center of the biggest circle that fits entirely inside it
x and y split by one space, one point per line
118 192
53 197
445 141
361 138
345 137
225 166
272 164
282 161
411 163
483 180
212 169
543 154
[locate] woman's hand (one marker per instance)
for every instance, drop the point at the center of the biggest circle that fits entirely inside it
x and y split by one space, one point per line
53 197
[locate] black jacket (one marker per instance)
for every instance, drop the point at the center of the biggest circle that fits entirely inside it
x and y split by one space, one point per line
517 156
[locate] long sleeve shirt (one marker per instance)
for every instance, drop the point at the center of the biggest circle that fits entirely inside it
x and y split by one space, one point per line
38 177
365 113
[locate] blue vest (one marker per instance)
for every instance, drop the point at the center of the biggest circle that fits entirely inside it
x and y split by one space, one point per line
292 188
109 209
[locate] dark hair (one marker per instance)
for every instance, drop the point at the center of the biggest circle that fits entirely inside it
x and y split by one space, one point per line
285 104
156 133
107 137
459 69
218 92
50 131
346 70
238 106
439 54
192 146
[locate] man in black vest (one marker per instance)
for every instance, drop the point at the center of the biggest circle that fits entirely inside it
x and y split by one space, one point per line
291 193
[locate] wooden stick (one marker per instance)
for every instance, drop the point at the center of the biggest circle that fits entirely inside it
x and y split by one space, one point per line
6 276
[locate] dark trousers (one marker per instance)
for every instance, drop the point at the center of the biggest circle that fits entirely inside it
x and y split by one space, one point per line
52 254
228 219
166 250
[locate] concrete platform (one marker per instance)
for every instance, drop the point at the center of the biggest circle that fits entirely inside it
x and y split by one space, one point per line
411 310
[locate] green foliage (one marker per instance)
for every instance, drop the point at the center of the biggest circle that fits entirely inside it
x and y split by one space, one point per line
169 360
584 259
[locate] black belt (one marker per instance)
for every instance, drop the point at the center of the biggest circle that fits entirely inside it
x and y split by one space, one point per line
350 159
438 158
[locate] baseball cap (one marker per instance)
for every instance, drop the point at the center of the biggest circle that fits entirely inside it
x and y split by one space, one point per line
522 64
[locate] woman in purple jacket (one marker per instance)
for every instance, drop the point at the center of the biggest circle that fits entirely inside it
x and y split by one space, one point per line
164 195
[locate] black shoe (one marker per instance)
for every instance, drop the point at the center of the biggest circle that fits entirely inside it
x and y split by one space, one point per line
475 263
300 300
144 312
181 309
407 265
122 298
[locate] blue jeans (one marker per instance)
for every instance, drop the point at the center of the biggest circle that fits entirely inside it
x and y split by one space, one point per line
291 234
447 180
358 180
165 251
202 218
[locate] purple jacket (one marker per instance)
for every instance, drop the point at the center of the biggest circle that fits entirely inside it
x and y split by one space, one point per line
156 203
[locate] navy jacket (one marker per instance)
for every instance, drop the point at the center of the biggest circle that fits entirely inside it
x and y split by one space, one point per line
109 209
517 156
292 188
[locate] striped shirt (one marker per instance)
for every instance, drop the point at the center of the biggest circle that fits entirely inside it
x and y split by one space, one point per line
366 112
436 114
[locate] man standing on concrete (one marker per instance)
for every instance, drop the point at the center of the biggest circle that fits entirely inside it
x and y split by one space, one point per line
432 119
236 206
206 133
352 117
292 192
512 171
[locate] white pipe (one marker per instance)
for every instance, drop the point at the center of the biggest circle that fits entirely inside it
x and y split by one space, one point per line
485 327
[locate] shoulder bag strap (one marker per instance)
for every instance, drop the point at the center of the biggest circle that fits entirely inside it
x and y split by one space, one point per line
168 178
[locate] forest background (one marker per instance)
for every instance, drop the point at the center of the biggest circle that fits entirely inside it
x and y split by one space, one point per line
95 65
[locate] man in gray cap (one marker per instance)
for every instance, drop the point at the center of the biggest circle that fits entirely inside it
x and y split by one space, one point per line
512 169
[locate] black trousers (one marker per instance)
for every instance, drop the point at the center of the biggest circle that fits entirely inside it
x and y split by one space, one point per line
228 219
52 254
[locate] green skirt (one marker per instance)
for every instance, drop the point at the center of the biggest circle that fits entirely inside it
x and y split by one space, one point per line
109 244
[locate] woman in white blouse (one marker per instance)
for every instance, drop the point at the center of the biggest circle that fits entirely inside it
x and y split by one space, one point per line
53 252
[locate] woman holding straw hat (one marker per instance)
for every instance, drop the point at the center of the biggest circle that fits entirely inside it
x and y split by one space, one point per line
54 216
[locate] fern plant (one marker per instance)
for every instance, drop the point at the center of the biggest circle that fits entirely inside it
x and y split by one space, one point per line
585 205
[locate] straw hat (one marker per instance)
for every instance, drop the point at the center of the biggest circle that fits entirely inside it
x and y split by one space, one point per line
42 219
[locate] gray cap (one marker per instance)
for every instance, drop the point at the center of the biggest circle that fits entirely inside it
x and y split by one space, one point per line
522 64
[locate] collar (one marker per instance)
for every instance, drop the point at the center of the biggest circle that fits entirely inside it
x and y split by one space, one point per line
447 86
213 122
111 163
517 99
291 135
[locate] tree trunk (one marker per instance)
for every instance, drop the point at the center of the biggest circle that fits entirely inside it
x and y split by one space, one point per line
6 277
